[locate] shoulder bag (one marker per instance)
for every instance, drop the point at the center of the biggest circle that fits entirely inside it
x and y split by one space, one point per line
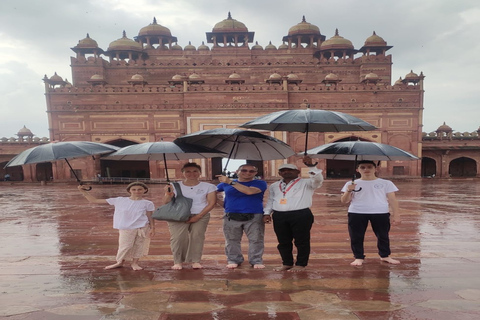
178 209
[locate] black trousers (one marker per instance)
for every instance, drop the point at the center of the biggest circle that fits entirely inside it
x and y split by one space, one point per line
357 226
293 227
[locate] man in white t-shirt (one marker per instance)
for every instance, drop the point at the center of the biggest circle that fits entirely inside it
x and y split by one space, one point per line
370 199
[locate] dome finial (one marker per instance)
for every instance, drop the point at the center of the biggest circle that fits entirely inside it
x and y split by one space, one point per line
303 19
336 32
88 36
155 20
124 34
229 16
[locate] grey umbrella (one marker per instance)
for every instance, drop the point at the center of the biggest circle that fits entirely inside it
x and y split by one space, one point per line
61 151
359 150
308 120
240 144
163 150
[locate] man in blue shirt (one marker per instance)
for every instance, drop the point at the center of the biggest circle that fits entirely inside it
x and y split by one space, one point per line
243 204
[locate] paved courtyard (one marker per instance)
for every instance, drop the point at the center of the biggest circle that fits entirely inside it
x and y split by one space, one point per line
54 246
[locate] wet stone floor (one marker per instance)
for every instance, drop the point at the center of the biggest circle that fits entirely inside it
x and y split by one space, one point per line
54 246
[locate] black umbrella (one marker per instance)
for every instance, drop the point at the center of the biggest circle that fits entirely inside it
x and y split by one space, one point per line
163 150
359 150
240 144
60 151
308 120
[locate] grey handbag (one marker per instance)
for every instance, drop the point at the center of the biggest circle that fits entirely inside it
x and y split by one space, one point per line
178 209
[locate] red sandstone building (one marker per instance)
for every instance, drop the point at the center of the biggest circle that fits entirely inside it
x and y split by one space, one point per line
148 88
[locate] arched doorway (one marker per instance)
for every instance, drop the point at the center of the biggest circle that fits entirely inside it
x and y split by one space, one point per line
342 168
429 167
124 169
463 167
44 171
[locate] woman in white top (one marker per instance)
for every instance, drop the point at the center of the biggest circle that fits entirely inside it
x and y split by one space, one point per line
133 219
187 238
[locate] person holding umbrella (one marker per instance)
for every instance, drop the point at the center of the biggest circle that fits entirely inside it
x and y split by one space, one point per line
187 238
289 203
370 202
243 213
133 219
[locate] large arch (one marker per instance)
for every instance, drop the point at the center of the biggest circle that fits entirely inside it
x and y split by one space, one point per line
124 169
342 168
429 167
462 167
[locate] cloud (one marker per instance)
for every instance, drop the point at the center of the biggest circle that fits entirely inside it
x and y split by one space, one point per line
438 37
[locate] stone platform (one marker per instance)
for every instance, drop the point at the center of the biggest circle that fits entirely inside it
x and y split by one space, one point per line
54 246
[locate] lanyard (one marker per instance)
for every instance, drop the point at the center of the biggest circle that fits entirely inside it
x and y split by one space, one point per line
284 191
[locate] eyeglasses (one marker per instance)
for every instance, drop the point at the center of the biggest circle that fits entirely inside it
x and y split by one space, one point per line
249 171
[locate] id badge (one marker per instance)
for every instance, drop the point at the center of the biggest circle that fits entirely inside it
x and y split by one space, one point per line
283 201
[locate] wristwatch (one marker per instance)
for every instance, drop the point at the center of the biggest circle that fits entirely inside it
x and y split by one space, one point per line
232 183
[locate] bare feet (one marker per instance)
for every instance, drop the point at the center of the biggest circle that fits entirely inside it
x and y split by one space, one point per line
258 266
177 266
113 266
136 267
296 269
390 260
283 268
197 265
357 262
232 265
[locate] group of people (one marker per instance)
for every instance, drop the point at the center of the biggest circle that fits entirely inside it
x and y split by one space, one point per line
287 206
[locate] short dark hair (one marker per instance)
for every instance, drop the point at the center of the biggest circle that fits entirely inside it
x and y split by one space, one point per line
191 165
365 162
137 183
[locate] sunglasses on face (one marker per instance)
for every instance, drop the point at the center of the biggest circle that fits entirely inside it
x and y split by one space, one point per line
249 171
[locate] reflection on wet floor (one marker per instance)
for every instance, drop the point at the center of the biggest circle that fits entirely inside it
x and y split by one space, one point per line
55 245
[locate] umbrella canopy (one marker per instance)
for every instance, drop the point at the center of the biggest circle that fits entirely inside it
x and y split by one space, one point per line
240 144
360 150
308 120
60 151
163 150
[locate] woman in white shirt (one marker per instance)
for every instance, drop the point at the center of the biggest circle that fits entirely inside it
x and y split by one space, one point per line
187 238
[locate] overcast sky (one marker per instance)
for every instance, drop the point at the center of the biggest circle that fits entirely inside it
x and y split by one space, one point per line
438 37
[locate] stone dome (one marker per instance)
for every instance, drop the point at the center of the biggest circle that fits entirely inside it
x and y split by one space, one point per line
292 76
189 46
87 43
177 77
137 77
444 128
399 81
56 77
229 25
234 75
337 42
375 41
96 76
331 77
275 76
371 76
177 47
283 46
154 29
203 46
24 132
194 76
303 28
270 46
257 46
124 43
411 75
